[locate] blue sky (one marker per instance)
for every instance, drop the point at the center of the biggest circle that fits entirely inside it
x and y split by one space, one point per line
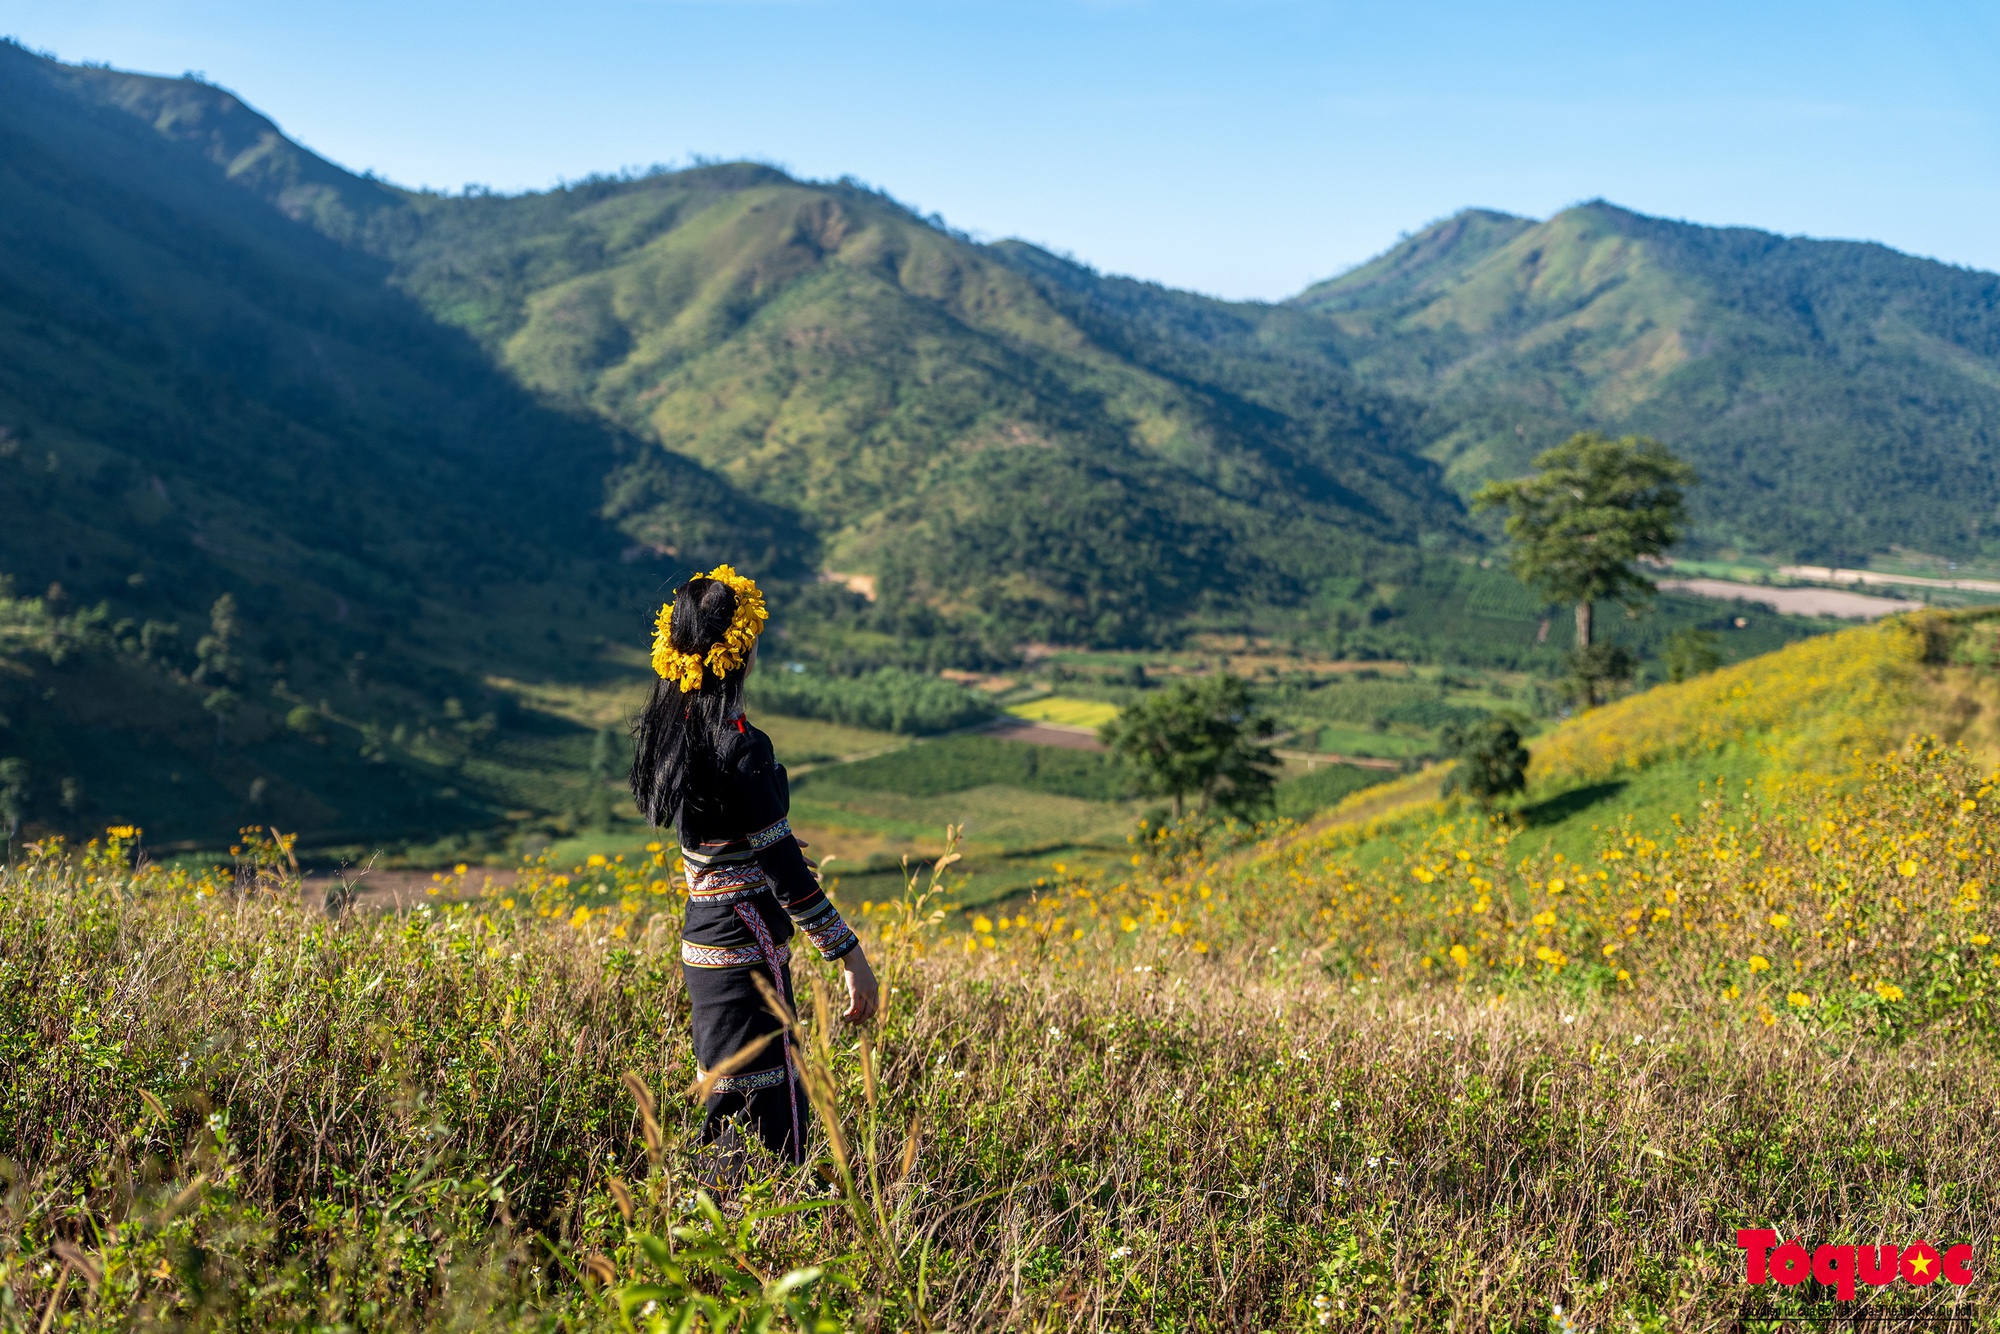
1243 148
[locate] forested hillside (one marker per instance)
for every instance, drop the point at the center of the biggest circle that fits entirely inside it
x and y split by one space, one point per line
930 414
199 398
1839 397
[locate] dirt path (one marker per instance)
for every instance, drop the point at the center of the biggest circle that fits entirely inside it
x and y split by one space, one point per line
1795 601
1828 574
1043 734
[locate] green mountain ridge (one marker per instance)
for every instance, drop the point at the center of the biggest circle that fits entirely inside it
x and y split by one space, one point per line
438 445
915 400
1840 397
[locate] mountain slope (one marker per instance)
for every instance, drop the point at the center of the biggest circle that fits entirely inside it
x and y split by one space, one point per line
937 418
199 396
914 399
1838 397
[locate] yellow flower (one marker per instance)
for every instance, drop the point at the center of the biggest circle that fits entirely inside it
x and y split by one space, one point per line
1968 806
1780 921
1078 935
594 859
1460 957
1127 924
1544 918
652 847
1765 1014
1555 886
123 831
1758 963
982 925
1907 869
1624 976
1798 1000
729 652
1888 991
1981 939
1200 946
1731 992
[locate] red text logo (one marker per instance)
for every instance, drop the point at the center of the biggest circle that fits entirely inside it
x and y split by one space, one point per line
1841 1267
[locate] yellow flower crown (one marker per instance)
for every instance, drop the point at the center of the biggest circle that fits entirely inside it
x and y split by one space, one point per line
728 653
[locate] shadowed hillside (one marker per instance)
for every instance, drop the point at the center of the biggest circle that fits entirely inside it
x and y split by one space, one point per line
199 397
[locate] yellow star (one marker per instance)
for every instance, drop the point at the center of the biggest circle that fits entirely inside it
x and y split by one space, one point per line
1922 1264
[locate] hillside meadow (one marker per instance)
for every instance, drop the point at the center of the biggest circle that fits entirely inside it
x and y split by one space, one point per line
1424 1075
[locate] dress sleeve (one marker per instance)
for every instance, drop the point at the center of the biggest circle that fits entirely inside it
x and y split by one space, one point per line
765 803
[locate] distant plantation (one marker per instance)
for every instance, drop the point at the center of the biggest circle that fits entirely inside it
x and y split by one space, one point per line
886 700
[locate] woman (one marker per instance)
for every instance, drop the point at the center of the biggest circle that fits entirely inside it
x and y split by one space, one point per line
702 767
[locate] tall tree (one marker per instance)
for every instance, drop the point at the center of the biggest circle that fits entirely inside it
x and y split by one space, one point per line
1594 507
1201 738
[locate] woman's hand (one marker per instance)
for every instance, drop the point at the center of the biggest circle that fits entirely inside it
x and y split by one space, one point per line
863 994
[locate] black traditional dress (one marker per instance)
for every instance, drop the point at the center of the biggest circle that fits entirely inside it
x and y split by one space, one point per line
749 888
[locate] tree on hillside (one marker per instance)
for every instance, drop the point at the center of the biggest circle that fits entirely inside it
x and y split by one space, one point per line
220 666
1492 762
1201 738
1594 670
1595 507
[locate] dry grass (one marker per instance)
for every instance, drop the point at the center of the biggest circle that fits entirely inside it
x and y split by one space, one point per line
224 1110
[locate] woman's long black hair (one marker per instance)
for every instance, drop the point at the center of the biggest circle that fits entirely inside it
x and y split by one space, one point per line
678 737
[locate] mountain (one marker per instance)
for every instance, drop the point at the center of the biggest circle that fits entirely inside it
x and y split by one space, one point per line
1838 397
199 397
914 403
932 415
429 446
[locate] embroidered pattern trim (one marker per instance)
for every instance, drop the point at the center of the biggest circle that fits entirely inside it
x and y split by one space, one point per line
728 956
750 1083
764 838
828 932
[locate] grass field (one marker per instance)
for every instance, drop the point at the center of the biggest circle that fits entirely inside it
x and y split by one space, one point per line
1065 712
1432 1071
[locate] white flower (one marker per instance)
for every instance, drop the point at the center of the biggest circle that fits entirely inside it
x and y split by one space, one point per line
1374 1163
1055 1033
1336 1104
1121 1252
1340 1183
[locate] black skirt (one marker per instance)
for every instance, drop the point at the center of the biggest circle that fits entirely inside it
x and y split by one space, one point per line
730 1012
